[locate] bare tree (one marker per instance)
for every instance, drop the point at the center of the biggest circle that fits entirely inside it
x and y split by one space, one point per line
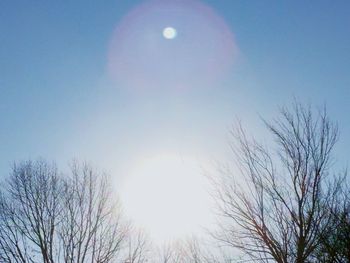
50 217
171 253
91 229
139 248
29 213
277 211
13 247
335 242
191 250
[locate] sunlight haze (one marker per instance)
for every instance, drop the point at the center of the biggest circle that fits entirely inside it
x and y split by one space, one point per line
148 91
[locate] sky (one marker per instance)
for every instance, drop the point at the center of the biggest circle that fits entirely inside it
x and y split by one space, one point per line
97 81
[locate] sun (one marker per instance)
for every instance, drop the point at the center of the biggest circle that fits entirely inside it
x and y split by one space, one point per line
166 195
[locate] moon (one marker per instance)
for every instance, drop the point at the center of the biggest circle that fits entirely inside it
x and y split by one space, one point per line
169 33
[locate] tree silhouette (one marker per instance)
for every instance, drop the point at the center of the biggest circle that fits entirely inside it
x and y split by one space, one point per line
335 242
283 204
49 217
278 210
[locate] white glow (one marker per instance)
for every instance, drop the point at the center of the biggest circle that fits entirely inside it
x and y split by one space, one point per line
145 53
169 33
167 196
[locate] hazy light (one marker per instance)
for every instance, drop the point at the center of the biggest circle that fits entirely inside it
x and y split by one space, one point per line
169 33
166 195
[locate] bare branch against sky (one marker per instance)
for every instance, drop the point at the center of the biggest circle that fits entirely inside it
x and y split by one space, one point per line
277 206
146 90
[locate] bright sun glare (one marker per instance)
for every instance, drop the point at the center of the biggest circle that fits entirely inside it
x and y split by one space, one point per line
167 196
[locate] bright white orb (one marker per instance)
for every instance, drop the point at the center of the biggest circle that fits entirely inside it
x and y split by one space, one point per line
169 33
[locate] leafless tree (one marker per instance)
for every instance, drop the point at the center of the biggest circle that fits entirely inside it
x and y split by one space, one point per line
335 242
91 229
277 210
13 247
50 217
139 247
192 250
30 209
171 253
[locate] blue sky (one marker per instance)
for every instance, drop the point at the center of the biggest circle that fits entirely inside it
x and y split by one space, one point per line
57 100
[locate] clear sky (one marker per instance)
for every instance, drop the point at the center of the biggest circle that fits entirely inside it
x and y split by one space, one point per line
97 81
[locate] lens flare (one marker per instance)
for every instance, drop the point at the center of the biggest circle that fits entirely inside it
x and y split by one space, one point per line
139 58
